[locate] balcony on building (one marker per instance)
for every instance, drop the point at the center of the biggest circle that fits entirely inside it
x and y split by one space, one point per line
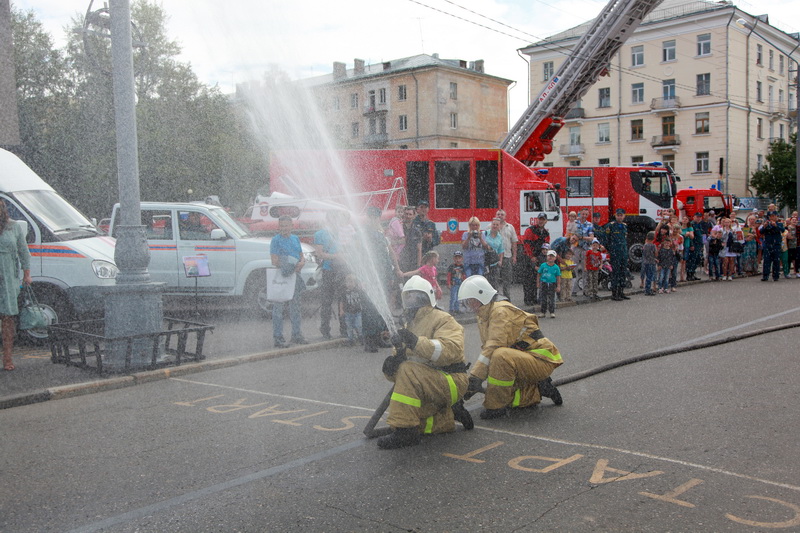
665 105
575 114
374 110
376 140
665 141
572 151
778 110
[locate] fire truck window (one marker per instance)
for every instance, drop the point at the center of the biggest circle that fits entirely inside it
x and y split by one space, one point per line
690 200
417 181
550 202
714 202
533 202
655 186
486 184
278 211
579 185
452 184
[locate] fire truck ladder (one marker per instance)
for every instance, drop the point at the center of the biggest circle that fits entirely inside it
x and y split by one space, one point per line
532 136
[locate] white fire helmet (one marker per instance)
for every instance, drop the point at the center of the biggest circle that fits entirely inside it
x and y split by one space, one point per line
418 292
476 287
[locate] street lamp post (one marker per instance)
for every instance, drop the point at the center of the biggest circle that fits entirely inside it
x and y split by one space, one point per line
752 27
133 306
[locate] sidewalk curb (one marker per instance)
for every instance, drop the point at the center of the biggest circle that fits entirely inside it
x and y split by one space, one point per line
148 376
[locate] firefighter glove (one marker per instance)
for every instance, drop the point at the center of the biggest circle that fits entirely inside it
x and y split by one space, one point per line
404 336
392 363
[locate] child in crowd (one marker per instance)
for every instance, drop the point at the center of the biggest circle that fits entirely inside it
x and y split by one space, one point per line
428 271
572 224
649 262
750 255
474 247
666 260
680 263
594 260
715 246
579 257
567 265
350 307
549 280
455 275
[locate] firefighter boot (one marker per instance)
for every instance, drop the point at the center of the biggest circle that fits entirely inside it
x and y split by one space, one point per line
400 438
622 294
490 414
548 390
615 294
474 387
462 415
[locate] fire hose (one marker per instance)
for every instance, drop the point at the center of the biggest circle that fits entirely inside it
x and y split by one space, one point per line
371 432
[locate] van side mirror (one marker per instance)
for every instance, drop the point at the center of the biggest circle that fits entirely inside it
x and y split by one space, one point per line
218 234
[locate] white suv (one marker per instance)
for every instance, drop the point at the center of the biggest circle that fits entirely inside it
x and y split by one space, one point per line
237 261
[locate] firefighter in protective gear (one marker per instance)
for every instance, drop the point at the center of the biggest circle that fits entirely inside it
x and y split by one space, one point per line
516 359
428 370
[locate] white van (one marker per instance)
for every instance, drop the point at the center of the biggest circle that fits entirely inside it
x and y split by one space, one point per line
70 258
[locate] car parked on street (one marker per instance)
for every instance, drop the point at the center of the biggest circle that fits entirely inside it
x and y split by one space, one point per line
198 250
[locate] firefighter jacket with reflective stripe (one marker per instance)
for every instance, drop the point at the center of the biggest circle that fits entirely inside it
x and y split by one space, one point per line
440 338
501 325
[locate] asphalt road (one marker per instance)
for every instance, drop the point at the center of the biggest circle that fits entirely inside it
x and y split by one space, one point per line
699 441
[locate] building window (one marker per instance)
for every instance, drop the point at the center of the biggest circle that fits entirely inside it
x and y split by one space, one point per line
637 159
771 96
574 135
759 128
453 90
454 120
547 70
373 126
604 132
604 97
401 92
759 92
637 93
453 145
668 50
772 59
780 96
703 84
637 56
780 64
403 122
782 132
668 89
759 162
701 123
668 127
335 103
575 163
669 159
759 55
371 100
354 130
637 129
603 162
354 100
701 162
704 44
381 96
382 125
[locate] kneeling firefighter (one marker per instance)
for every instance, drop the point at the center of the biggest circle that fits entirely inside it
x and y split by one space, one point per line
427 368
516 359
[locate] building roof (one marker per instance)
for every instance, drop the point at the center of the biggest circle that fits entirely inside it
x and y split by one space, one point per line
668 9
399 65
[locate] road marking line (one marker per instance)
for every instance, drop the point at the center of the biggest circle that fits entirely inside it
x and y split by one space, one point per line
732 329
645 455
535 437
262 393
213 489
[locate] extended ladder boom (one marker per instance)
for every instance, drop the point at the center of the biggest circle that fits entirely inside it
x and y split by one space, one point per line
531 138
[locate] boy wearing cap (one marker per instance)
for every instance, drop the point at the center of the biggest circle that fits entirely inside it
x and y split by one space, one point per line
549 280
455 275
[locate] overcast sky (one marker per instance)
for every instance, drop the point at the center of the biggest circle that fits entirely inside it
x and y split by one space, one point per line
233 41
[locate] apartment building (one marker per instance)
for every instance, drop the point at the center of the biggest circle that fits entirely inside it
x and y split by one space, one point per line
421 101
690 87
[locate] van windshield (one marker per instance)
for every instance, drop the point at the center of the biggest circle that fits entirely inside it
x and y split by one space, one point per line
56 214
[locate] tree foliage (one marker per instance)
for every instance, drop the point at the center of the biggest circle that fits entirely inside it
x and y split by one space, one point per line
778 178
190 136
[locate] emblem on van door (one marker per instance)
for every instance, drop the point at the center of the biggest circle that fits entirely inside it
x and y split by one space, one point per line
452 225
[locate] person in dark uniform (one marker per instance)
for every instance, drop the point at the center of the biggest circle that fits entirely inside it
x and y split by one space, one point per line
695 258
616 242
533 239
